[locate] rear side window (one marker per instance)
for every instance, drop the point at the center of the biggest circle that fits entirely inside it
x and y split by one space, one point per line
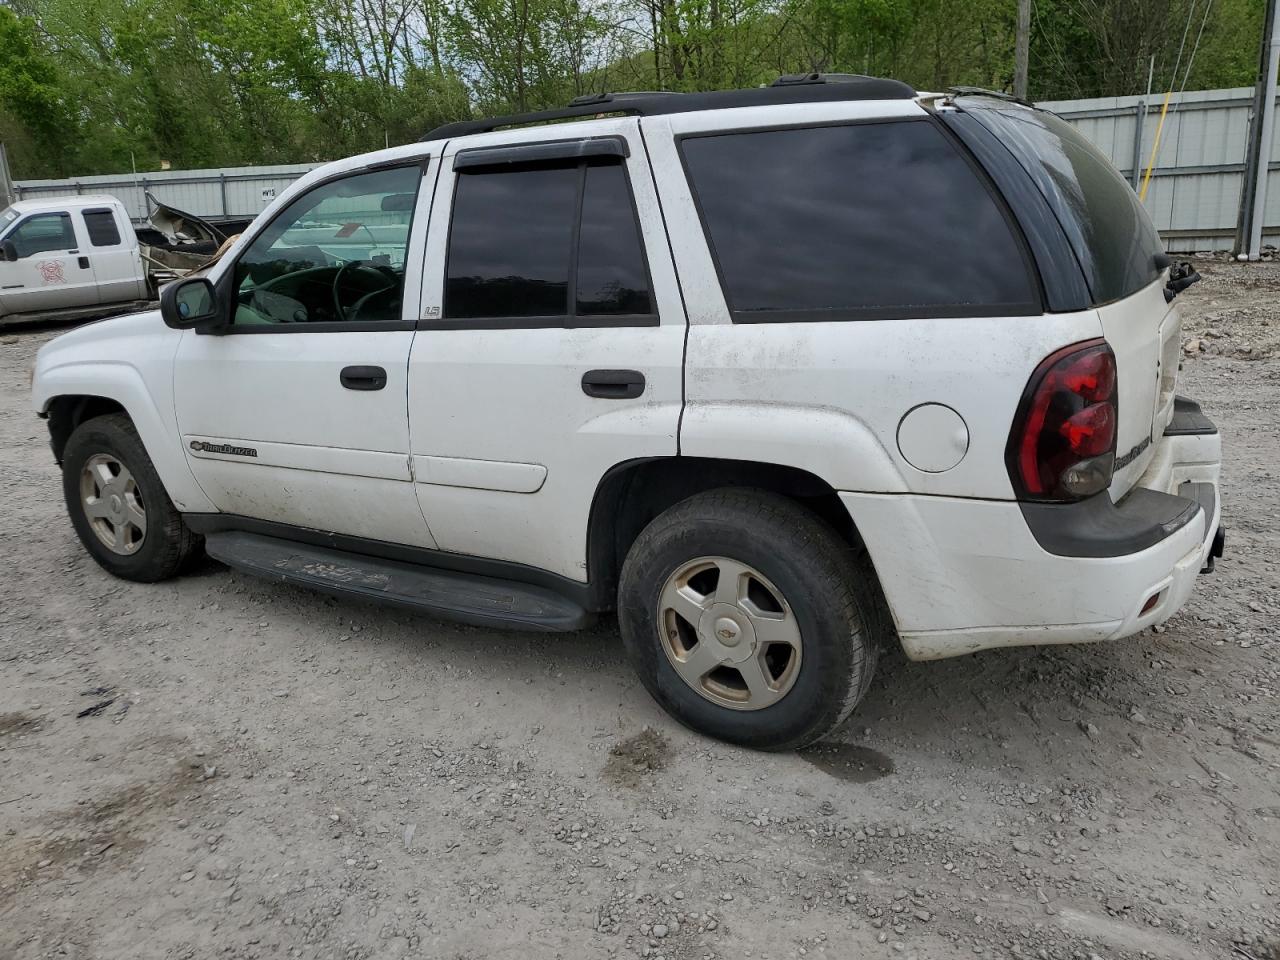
611 277
557 243
1105 222
101 225
858 221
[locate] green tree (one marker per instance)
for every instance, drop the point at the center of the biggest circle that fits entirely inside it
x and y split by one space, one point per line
90 86
35 117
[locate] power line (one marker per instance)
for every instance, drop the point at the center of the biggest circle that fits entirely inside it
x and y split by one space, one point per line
1164 107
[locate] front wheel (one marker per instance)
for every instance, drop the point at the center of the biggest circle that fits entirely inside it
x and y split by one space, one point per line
749 619
118 505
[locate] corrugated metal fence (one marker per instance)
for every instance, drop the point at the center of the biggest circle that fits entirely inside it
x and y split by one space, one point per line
1194 194
232 192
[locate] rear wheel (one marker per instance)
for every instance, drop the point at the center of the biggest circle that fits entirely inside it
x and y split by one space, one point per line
118 505
749 619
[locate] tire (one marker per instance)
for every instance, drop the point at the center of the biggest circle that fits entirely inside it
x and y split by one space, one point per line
157 549
829 590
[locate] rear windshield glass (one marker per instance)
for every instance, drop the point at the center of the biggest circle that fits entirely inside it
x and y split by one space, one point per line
1106 224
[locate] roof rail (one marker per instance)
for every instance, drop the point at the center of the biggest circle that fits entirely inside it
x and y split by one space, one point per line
792 88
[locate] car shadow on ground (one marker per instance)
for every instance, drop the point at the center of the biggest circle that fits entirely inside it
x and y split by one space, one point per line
1029 707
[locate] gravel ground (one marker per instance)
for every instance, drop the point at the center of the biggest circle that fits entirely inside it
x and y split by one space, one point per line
220 767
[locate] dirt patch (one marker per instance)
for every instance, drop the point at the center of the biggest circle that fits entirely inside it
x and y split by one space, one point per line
85 836
130 803
634 759
848 762
19 723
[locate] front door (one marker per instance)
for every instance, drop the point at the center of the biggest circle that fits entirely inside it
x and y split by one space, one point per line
52 271
295 412
551 342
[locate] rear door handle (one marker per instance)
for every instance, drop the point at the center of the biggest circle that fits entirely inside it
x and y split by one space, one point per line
364 378
613 384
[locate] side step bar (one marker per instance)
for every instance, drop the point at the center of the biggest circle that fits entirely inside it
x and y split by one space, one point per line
468 598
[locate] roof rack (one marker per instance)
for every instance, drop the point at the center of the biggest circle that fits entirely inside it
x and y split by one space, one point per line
792 88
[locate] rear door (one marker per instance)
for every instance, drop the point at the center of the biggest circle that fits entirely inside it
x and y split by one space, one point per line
51 271
551 342
112 252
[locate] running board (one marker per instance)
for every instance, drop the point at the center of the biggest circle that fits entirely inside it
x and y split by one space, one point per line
468 598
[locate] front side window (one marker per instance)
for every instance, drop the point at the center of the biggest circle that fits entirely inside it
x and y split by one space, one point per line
556 242
857 221
43 233
334 255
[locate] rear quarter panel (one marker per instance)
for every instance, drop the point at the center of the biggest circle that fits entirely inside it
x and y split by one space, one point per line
828 397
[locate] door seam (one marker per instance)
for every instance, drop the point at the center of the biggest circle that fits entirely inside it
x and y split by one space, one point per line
675 271
438 160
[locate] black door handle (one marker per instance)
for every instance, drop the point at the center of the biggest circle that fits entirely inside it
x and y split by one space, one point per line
613 384
364 378
84 263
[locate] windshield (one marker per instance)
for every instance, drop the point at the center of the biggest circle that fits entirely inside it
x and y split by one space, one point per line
7 216
1105 222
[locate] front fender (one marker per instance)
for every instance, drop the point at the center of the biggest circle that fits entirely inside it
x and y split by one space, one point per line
128 360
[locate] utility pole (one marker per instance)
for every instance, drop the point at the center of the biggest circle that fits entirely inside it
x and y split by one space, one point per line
1253 190
1022 50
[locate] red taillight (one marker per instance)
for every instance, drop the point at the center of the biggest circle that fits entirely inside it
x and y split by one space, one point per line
1092 431
1064 437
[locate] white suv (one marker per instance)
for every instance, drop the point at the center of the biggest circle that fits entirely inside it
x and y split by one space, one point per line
778 374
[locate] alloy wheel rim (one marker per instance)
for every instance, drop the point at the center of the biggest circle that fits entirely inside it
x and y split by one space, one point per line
729 633
113 504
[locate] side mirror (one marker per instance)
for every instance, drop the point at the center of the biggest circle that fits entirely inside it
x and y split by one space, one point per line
8 250
185 304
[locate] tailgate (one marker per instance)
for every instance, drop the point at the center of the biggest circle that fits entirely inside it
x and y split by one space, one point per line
1145 334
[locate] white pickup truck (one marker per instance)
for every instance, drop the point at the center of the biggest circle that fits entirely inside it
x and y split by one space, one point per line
781 375
70 257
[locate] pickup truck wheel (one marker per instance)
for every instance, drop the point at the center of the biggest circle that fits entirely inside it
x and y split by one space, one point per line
118 505
749 619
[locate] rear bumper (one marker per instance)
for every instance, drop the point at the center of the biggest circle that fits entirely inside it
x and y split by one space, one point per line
962 575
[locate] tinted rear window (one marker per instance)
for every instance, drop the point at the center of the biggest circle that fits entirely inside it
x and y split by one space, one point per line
857 221
611 277
510 243
545 241
1108 228
101 225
